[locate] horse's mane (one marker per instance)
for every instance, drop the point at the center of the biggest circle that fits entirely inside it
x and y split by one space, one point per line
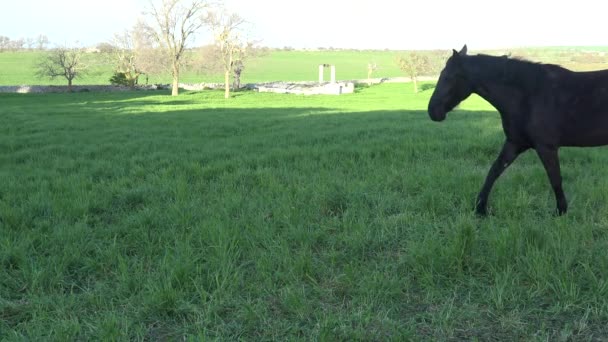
515 71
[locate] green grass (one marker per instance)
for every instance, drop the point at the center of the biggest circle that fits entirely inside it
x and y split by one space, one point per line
18 68
275 217
303 65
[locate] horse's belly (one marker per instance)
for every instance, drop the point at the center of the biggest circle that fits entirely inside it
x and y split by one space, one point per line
586 133
587 142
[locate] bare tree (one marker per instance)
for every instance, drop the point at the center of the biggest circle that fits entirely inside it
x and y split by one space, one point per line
62 62
20 44
135 53
211 61
41 42
4 43
30 43
149 57
237 69
414 64
175 21
17 44
232 50
371 67
124 55
208 60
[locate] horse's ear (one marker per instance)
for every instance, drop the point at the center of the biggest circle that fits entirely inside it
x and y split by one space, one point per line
463 51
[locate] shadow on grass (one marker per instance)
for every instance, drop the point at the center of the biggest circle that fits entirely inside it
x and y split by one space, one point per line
427 86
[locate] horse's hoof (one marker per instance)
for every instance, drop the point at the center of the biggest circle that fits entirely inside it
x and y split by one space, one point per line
481 212
562 208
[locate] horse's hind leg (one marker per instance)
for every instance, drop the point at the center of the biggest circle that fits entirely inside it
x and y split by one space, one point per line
550 159
507 155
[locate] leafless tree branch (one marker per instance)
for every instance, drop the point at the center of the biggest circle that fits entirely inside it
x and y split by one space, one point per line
62 62
175 22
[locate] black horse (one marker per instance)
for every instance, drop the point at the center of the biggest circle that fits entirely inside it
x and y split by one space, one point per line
542 107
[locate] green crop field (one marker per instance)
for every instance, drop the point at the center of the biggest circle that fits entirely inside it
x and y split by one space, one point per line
18 68
140 216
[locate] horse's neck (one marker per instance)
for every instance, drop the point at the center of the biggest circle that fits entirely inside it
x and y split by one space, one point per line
505 83
505 97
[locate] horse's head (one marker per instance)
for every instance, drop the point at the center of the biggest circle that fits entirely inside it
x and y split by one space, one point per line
452 88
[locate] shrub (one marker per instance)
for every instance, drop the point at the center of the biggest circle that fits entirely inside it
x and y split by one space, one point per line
121 79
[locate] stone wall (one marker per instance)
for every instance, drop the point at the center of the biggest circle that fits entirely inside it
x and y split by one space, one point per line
307 88
77 88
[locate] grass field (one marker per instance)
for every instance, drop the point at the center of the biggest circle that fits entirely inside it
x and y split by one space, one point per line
18 68
274 217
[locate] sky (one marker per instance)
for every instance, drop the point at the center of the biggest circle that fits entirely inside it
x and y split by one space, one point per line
361 24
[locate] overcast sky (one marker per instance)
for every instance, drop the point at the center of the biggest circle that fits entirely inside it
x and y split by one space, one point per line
373 24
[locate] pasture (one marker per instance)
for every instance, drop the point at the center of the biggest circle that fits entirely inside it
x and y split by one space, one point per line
277 217
18 68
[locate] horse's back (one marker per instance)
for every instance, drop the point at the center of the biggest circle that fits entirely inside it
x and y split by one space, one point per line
572 109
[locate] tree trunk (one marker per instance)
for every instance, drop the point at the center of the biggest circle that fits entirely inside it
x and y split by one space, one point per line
236 84
227 84
175 88
69 85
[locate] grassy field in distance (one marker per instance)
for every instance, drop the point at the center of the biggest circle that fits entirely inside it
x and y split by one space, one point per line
18 68
140 216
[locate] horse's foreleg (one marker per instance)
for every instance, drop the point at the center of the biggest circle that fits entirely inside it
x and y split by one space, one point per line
550 159
507 155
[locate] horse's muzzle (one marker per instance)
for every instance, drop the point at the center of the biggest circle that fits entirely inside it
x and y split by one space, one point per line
437 114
